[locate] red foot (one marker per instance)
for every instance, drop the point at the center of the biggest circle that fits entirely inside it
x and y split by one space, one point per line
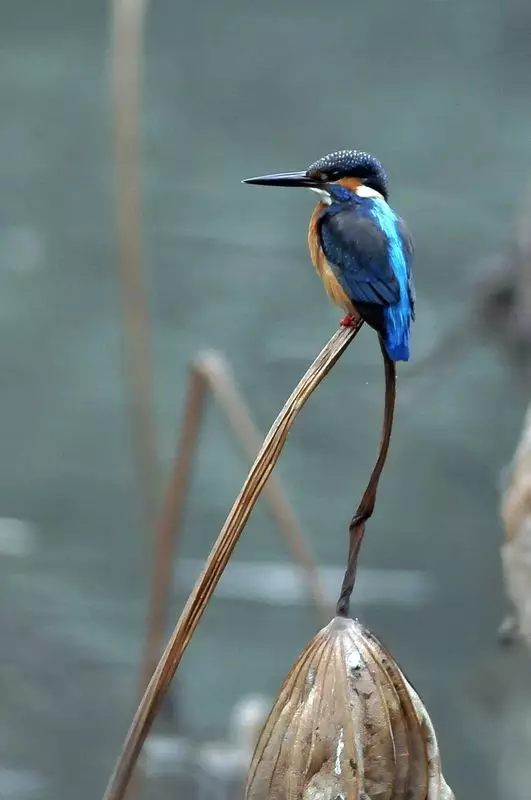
350 321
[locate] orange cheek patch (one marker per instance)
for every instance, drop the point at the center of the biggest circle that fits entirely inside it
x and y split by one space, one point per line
349 183
354 184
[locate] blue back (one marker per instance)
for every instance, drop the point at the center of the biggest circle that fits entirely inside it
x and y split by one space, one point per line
370 251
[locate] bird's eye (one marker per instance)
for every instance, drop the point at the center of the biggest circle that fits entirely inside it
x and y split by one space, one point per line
317 175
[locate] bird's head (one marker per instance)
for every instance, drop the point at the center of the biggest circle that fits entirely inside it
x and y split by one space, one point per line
335 177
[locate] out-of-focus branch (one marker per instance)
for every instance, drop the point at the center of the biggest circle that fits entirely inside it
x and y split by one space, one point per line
128 20
503 293
219 558
128 23
211 372
516 551
498 306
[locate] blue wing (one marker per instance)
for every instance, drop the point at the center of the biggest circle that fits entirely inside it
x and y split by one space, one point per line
357 246
408 250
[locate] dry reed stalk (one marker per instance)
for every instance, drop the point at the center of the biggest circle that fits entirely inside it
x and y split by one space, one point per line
218 560
128 22
168 524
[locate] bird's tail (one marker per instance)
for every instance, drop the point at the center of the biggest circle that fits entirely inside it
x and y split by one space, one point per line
396 332
397 351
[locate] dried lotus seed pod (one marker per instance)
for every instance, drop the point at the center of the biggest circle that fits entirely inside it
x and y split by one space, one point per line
347 724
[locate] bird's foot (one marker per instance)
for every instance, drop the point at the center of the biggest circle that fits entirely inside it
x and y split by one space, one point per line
350 321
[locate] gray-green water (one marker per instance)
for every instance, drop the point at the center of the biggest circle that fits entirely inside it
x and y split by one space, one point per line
439 91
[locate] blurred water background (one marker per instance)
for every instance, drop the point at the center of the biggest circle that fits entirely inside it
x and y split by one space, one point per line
439 90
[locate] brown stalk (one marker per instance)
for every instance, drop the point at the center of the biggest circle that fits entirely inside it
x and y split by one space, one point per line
169 522
368 501
128 19
211 372
219 558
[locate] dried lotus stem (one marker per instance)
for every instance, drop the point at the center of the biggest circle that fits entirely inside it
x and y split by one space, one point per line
347 724
366 507
219 558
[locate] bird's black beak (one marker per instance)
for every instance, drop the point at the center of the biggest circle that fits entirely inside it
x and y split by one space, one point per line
284 179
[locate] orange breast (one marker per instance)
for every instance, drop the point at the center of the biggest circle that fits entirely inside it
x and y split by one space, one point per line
324 270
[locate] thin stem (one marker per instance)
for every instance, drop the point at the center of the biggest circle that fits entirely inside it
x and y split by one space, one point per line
219 558
366 506
126 51
168 526
128 25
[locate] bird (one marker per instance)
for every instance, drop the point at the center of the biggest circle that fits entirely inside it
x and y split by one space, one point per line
360 247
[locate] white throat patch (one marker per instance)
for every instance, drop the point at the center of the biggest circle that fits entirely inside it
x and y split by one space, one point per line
323 194
366 191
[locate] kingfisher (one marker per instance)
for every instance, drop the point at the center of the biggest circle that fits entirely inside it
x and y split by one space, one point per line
360 247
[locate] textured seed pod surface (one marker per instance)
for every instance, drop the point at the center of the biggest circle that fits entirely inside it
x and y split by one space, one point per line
347 725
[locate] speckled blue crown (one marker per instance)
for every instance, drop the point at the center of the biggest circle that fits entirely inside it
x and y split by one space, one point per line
351 163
